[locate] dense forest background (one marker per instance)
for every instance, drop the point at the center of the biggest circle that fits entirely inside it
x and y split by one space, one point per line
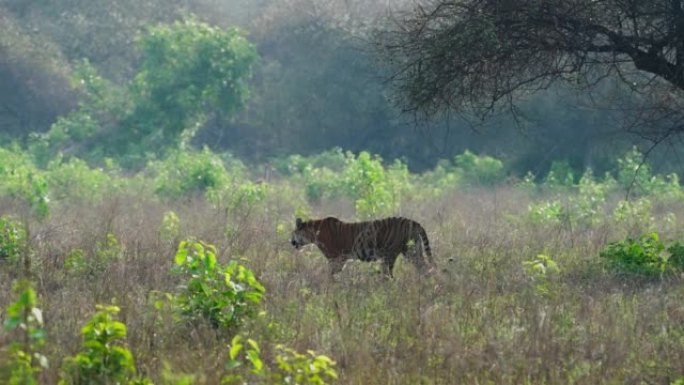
317 84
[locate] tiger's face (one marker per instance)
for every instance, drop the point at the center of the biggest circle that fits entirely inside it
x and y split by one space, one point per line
302 235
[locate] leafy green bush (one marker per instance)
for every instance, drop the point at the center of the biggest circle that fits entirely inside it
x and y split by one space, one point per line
292 367
74 179
375 191
106 252
12 238
587 204
24 318
184 173
634 215
560 175
77 262
634 174
540 270
479 170
676 259
298 368
548 212
644 255
103 358
224 296
435 182
21 180
170 227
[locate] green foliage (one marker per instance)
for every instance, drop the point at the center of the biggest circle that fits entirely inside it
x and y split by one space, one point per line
240 354
170 226
77 262
298 368
103 358
223 296
479 170
25 319
587 205
634 215
376 191
74 179
292 367
444 177
549 212
21 180
101 109
634 175
107 251
676 259
184 173
633 172
560 174
644 255
12 238
541 269
188 69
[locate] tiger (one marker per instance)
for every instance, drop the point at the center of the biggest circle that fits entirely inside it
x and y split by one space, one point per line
378 240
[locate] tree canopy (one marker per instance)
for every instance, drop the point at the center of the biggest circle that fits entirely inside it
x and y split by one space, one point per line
188 71
478 55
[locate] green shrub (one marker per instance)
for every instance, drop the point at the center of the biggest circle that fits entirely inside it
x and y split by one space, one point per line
184 173
560 175
376 192
479 170
170 227
223 296
106 251
21 180
588 203
103 358
634 215
676 259
74 179
292 367
549 212
12 238
540 270
304 369
644 255
77 262
25 319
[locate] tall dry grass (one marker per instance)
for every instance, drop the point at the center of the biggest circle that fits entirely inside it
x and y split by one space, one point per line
485 322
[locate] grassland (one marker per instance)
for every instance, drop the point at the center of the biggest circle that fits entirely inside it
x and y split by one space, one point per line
490 318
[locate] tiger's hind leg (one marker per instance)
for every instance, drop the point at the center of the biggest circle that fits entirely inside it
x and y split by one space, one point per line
416 255
388 265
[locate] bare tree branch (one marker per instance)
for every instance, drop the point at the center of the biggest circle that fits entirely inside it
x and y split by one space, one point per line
475 56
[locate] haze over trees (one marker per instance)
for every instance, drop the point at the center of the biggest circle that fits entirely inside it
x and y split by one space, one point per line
317 85
476 56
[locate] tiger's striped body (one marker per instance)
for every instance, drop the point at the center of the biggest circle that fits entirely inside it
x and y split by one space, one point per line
381 240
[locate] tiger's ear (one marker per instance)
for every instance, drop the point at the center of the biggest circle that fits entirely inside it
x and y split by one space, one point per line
299 223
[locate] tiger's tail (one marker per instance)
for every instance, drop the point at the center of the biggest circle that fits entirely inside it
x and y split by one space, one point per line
426 245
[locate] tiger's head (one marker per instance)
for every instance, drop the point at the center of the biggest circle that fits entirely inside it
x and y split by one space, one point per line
303 234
